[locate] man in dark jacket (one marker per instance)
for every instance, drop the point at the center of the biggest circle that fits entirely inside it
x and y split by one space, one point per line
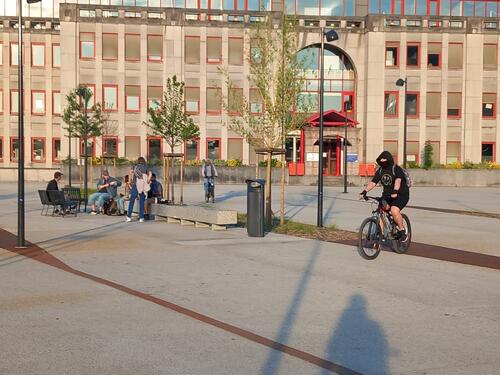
396 191
53 184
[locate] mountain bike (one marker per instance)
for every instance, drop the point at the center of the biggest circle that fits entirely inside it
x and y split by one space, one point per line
210 194
379 230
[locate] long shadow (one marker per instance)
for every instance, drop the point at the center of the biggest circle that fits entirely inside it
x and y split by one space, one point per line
230 195
358 341
297 205
273 361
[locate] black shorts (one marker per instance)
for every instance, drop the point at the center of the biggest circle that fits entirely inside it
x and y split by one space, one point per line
400 201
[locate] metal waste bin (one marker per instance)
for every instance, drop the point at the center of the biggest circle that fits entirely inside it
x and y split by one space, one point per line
255 207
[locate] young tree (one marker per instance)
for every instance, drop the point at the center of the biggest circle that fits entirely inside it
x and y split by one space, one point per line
428 153
83 121
169 119
277 76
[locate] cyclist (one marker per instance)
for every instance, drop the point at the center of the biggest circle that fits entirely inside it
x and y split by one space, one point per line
208 173
396 191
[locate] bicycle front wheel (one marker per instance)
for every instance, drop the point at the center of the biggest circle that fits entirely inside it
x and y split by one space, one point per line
402 247
369 239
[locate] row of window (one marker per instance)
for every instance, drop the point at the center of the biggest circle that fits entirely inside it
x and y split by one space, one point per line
413 151
434 51
478 8
38 54
38 102
155 48
433 105
154 148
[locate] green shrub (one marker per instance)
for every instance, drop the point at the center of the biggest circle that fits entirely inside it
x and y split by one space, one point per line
412 164
428 152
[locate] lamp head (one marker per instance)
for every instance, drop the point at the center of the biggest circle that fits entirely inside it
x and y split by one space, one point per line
33 1
400 82
331 35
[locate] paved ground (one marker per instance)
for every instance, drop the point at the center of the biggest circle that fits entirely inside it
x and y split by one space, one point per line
113 298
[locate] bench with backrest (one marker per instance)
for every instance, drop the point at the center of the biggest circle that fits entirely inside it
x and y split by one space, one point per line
74 194
196 215
58 198
46 203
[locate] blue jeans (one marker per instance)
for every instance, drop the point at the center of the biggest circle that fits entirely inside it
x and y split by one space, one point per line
206 181
133 195
98 199
121 205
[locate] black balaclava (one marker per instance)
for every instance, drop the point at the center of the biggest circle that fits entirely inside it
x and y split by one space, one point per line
390 160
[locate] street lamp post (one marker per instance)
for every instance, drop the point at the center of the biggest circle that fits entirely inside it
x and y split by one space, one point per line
346 108
21 242
404 82
330 36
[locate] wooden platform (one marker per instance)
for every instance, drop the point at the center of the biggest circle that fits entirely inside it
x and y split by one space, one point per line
198 216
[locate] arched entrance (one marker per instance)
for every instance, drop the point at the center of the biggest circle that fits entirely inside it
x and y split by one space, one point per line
339 101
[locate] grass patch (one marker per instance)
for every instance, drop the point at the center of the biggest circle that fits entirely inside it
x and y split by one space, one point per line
293 228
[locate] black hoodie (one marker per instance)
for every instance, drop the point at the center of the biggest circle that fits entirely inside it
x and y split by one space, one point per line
387 175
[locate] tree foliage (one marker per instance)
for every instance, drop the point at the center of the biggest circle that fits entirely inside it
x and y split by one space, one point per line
169 120
81 123
428 153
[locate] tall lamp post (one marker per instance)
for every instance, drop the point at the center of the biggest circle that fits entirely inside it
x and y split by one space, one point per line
330 35
21 242
84 93
400 83
347 108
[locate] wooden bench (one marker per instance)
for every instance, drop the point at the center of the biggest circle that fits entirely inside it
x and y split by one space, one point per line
200 217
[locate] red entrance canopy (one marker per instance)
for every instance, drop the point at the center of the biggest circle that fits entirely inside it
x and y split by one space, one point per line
332 118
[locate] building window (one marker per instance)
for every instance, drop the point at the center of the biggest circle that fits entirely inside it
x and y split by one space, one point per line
192 50
132 98
434 55
392 147
413 55
433 105
255 51
110 146
109 46
192 100
454 104
214 97
14 54
1 101
436 152
235 51
192 147
38 102
56 150
256 103
452 152
487 152
155 48
490 61
1 149
489 105
90 147
413 151
38 150
412 104
455 56
132 147
154 149
155 94
235 148
14 149
1 53
235 101
213 149
392 55
214 50
56 56
132 47
110 98
38 55
56 103
391 104
87 46
14 102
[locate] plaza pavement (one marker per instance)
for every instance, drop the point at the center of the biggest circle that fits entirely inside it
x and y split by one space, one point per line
113 298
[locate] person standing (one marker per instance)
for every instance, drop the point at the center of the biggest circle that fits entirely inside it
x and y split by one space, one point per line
139 177
208 173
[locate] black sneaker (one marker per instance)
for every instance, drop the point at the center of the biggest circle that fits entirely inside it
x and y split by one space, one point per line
401 235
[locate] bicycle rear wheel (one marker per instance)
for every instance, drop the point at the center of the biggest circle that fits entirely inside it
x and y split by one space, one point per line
399 246
369 239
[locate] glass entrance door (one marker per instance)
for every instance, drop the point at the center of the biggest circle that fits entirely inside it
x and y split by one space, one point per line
330 159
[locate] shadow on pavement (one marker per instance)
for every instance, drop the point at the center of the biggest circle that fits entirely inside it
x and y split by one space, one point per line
358 341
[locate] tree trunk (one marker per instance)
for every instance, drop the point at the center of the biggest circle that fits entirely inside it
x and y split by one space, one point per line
182 181
269 211
168 179
165 192
282 197
172 175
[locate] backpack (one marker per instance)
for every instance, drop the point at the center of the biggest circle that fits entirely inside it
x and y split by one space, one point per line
409 181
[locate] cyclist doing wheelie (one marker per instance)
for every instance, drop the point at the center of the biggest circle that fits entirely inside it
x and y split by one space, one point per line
396 191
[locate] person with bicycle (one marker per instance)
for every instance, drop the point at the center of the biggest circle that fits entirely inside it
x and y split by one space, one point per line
396 191
209 172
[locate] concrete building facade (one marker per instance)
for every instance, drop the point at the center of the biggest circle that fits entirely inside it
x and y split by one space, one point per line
125 51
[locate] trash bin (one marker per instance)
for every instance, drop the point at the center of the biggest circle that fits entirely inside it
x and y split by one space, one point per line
255 207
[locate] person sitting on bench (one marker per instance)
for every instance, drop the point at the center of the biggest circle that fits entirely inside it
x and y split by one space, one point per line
107 188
